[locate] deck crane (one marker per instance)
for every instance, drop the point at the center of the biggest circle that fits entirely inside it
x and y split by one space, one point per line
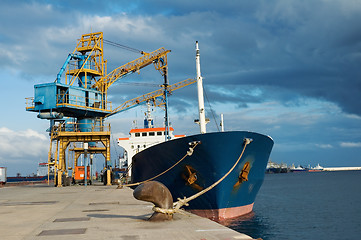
76 111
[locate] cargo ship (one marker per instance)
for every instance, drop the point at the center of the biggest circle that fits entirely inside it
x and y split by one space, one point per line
207 158
318 168
40 176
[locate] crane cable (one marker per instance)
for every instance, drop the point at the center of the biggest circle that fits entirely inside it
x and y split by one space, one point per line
114 44
209 104
116 151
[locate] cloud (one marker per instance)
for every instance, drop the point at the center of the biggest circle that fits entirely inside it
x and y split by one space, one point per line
324 146
22 144
350 144
311 51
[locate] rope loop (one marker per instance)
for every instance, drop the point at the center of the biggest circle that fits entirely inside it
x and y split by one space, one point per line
170 211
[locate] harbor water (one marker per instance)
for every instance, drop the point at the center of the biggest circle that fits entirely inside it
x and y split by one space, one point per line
317 205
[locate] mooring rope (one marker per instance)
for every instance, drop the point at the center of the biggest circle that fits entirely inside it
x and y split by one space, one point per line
189 153
181 202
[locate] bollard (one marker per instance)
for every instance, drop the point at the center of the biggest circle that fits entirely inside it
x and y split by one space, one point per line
109 178
158 194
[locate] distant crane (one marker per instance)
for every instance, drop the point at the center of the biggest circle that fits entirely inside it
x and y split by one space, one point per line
77 104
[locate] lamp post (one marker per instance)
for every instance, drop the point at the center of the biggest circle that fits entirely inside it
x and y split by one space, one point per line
85 163
91 168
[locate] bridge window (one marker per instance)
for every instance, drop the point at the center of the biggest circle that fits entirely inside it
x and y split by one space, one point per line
152 134
159 133
137 134
144 134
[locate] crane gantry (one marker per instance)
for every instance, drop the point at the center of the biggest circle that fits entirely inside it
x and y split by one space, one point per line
77 111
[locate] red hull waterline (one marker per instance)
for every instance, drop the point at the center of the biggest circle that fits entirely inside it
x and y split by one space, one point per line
224 213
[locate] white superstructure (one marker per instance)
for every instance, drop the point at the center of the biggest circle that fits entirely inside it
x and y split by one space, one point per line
42 169
142 138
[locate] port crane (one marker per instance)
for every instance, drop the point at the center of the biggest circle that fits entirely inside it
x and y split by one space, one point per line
77 104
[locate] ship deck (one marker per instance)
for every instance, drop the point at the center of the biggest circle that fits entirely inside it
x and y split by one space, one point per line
94 212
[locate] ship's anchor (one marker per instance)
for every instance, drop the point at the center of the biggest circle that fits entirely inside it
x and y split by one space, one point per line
190 176
243 175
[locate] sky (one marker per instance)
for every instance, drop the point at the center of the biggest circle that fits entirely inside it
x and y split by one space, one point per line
284 68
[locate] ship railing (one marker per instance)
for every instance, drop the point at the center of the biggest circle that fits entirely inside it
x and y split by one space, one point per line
91 64
83 102
69 126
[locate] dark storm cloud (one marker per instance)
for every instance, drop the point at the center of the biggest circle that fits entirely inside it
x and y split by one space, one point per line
312 50
277 47
315 52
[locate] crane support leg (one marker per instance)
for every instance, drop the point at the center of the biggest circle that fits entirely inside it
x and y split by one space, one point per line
63 137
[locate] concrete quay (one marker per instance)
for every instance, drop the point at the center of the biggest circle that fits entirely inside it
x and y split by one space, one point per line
342 169
94 212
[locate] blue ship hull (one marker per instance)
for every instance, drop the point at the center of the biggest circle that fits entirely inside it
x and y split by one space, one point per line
210 161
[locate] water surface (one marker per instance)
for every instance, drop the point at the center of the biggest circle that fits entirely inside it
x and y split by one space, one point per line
317 205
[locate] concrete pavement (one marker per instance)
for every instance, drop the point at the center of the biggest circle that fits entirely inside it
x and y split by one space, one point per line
93 212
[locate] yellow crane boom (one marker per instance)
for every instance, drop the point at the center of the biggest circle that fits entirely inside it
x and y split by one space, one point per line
151 96
157 57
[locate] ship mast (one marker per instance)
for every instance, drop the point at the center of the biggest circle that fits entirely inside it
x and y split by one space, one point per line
202 116
222 123
148 120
